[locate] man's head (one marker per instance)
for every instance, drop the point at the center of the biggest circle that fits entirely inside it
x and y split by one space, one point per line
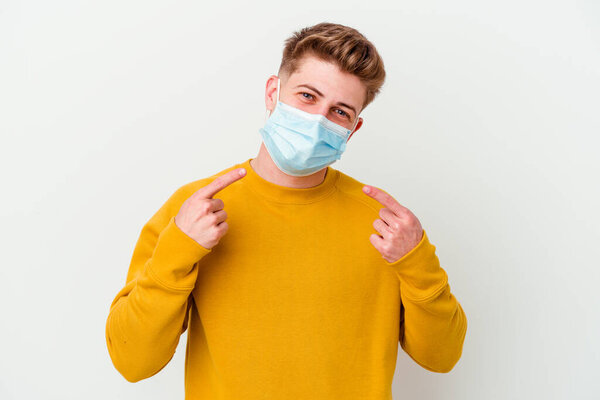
328 69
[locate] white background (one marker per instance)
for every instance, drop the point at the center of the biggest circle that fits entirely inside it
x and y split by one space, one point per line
486 128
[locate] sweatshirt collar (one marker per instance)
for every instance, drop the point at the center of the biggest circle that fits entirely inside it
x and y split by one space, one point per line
284 194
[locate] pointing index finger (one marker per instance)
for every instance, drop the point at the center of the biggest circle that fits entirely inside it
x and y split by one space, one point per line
384 198
220 183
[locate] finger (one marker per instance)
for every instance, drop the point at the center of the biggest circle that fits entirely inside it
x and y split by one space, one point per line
391 219
384 198
377 241
382 228
207 206
223 227
221 216
220 183
215 204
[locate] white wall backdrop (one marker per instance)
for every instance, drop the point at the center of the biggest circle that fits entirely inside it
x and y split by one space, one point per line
487 128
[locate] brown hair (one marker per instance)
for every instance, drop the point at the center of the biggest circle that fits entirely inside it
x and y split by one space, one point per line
344 46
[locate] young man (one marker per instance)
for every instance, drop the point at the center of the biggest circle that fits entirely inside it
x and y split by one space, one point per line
294 296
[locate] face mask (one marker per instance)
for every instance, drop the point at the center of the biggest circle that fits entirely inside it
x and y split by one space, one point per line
301 143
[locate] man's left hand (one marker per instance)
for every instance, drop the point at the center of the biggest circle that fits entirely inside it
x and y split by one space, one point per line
399 229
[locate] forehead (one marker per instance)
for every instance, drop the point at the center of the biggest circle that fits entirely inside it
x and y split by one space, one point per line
327 78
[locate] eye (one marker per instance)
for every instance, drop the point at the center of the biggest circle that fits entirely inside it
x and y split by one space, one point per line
311 96
344 113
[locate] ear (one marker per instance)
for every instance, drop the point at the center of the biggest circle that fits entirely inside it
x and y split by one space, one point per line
271 93
358 125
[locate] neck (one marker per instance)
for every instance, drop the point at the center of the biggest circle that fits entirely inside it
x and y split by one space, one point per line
266 169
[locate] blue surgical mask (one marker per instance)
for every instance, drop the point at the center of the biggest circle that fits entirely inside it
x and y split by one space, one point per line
301 143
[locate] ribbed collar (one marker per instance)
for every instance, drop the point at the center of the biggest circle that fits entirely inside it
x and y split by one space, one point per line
284 194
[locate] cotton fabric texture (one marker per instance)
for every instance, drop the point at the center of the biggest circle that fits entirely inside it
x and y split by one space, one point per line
294 302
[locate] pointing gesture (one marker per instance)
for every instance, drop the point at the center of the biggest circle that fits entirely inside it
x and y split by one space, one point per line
399 229
201 217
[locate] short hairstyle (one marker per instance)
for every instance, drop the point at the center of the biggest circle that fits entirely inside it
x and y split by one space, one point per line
342 45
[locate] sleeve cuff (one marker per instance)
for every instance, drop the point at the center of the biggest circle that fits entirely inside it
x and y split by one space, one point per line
174 257
419 271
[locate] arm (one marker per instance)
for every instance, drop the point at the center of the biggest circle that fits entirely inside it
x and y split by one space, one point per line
150 313
433 325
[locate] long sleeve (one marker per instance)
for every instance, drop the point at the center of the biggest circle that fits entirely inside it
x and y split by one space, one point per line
433 324
150 312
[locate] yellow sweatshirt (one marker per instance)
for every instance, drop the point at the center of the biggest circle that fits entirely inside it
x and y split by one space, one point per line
294 302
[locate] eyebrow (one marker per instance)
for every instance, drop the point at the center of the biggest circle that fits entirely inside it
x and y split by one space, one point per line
339 103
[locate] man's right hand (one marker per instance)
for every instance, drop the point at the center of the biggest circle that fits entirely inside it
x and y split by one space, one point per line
201 217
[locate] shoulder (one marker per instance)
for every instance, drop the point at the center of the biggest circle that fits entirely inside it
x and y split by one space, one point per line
351 188
160 219
184 191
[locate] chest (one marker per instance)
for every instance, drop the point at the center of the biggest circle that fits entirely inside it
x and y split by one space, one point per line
284 258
